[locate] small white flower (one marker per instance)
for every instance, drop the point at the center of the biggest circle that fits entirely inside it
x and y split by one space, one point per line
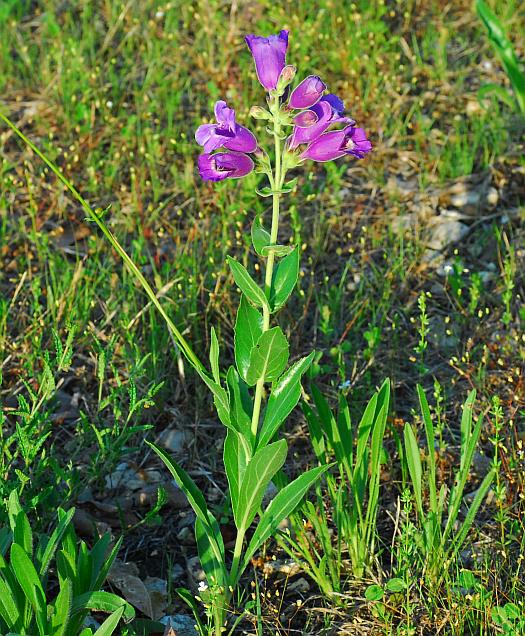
202 586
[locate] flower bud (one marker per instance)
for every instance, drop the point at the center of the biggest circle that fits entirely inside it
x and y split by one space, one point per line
307 93
257 112
286 78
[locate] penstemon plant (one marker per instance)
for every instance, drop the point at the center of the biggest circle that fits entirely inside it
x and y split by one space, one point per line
254 397
300 123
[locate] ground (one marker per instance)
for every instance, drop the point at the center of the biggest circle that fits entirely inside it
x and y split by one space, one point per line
412 268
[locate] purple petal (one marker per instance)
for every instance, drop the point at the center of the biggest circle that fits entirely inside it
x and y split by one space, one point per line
269 55
326 147
208 136
243 140
335 102
357 144
306 135
208 169
307 93
305 119
225 116
224 165
236 163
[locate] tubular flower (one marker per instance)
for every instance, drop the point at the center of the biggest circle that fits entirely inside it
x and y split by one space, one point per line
225 133
335 144
269 55
307 93
224 165
303 135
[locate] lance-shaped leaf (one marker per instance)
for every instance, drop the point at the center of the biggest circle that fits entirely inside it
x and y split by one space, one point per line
28 579
214 357
213 568
110 624
259 472
220 398
248 330
246 284
269 357
241 406
61 609
279 508
237 455
284 279
260 236
196 501
102 602
285 395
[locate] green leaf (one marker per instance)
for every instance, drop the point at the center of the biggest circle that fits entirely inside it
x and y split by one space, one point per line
9 611
54 540
220 398
110 624
395 585
196 501
236 458
240 405
498 91
269 357
284 279
279 508
505 50
214 357
102 602
246 284
19 524
101 560
264 192
6 538
260 236
374 593
278 250
189 599
61 609
248 330
414 468
283 399
214 569
27 577
258 474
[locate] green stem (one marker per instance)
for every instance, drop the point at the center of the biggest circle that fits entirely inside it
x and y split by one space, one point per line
276 184
135 271
237 553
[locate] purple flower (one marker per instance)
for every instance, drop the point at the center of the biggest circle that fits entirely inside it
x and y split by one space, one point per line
224 165
307 93
303 135
335 144
305 119
226 132
269 55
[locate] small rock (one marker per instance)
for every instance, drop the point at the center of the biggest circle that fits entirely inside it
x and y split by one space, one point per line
176 441
177 572
181 624
403 223
195 572
492 197
288 567
300 586
445 233
465 199
185 536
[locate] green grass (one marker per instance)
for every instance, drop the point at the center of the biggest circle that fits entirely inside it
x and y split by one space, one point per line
112 92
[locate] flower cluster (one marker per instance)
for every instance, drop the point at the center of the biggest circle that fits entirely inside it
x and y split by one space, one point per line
313 134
